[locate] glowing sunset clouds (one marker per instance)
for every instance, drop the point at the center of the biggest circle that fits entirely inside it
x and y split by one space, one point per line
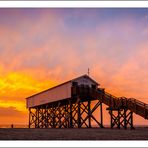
40 48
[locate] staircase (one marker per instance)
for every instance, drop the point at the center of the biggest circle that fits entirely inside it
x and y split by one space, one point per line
116 103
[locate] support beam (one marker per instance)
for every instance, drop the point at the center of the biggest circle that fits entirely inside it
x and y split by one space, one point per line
124 118
32 118
71 123
29 118
101 115
125 122
89 113
118 119
79 114
46 117
53 119
111 118
73 115
132 127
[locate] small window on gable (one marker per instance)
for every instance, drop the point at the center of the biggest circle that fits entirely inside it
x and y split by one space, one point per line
93 86
75 83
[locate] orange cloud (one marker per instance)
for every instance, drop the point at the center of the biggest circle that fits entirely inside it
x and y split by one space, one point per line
10 111
10 115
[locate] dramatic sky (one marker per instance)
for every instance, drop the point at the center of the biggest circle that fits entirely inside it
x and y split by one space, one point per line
40 48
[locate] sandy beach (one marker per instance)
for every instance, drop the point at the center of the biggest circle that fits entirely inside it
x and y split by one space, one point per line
140 133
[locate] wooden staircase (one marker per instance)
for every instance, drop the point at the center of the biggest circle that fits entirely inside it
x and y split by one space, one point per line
115 103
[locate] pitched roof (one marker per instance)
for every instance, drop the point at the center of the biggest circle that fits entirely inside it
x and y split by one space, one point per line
86 76
63 84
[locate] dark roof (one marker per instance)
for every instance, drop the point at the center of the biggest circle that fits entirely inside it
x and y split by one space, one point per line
63 84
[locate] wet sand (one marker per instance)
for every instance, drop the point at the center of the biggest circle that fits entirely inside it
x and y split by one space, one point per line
140 133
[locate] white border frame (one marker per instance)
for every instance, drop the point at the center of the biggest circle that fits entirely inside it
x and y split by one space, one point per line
73 4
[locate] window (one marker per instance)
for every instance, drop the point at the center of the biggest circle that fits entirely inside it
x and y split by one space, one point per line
93 86
74 83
